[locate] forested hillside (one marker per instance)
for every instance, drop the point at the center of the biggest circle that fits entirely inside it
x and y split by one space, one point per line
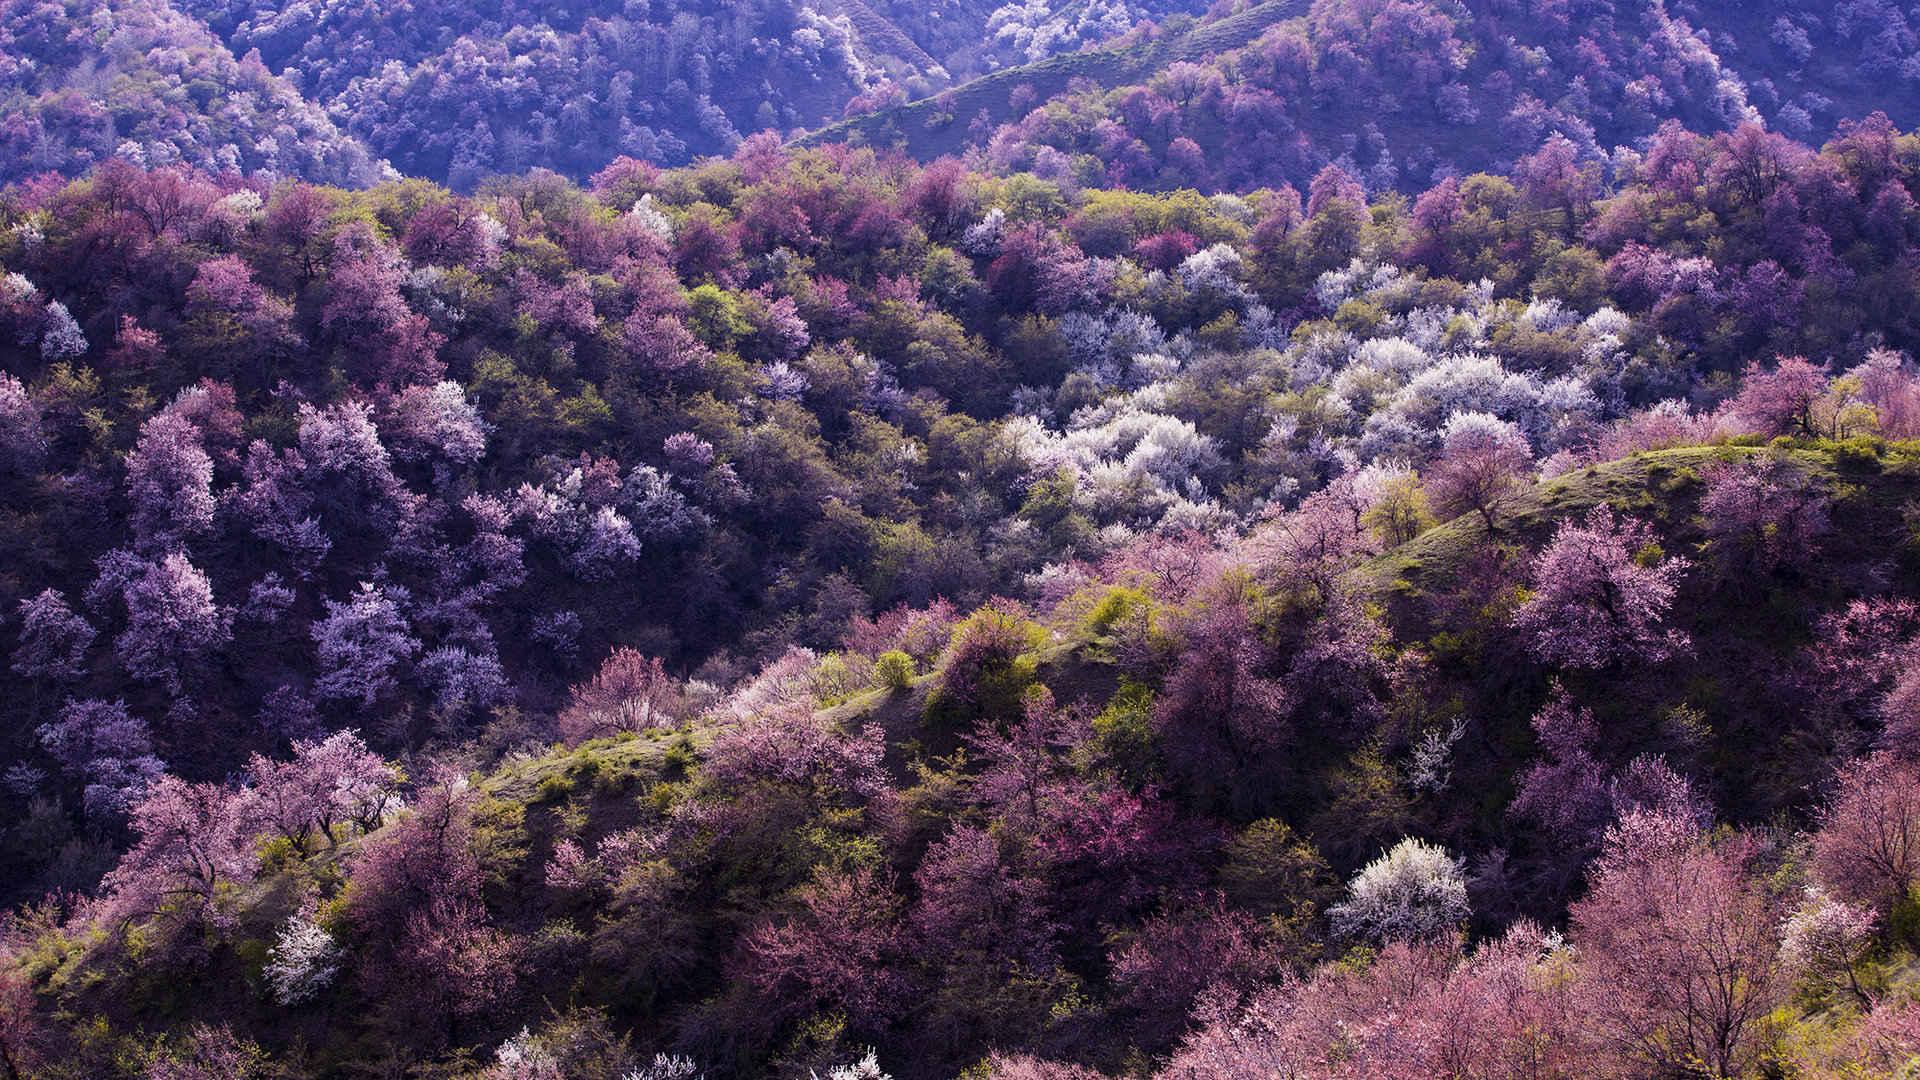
1403 94
1146 94
735 617
98 79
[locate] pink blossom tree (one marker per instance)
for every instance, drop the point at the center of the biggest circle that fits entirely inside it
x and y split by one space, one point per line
364 307
1679 947
23 1033
1780 401
414 896
1892 391
451 961
210 1053
1565 794
231 317
191 839
1223 710
1763 514
1334 184
1867 848
1164 967
977 902
1484 464
841 949
1307 549
327 782
631 692
1573 798
436 422
1595 602
1858 657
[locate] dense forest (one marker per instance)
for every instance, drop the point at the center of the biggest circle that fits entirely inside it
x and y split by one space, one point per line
1221 572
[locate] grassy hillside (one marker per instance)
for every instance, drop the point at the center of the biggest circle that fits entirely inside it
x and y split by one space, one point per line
1745 630
1871 484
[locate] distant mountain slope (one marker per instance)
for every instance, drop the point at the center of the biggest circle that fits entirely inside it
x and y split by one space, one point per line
1110 92
1401 93
946 123
455 92
977 37
1808 65
82 81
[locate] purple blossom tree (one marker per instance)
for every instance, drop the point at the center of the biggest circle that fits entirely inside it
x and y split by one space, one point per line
460 679
288 713
606 543
976 902
53 639
348 469
172 621
361 644
1223 713
276 504
107 749
169 483
23 443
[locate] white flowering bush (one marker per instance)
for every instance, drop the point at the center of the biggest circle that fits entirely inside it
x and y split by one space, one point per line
667 1067
1413 892
303 961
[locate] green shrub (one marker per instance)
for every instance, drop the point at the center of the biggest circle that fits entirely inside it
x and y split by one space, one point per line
1124 730
894 670
987 668
679 759
553 788
1119 604
1682 479
1861 452
277 853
